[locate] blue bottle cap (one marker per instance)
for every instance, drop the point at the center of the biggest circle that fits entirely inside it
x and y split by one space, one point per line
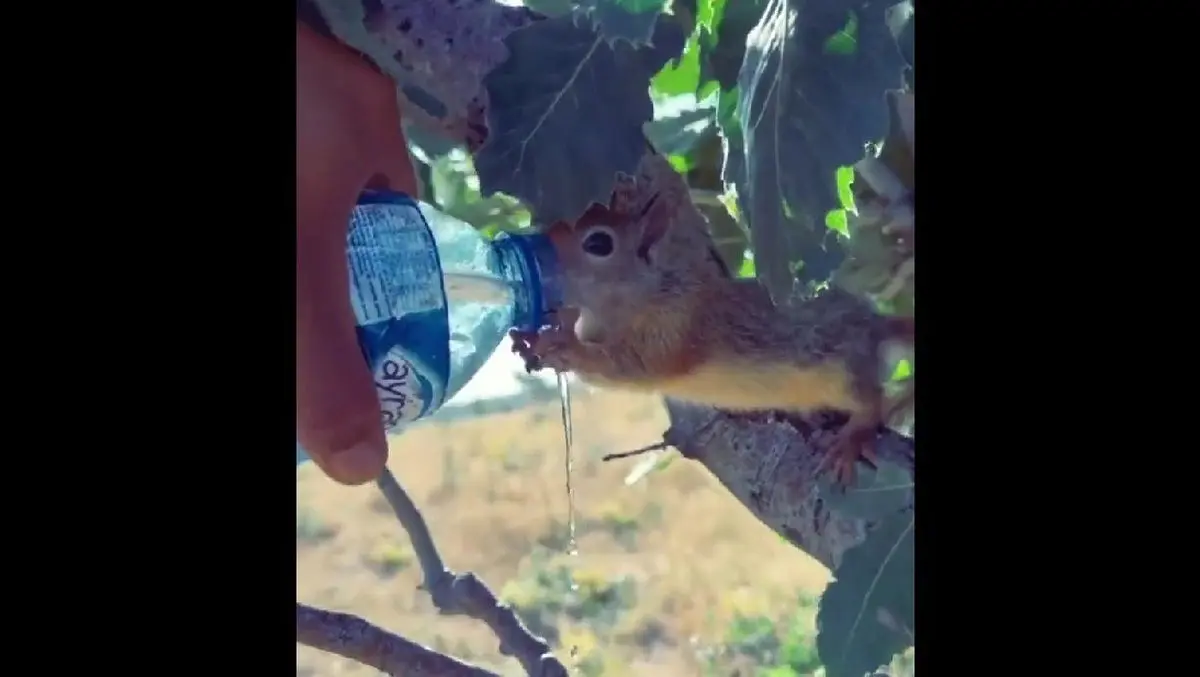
530 258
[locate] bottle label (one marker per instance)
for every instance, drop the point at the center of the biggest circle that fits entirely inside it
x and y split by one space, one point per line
405 390
399 302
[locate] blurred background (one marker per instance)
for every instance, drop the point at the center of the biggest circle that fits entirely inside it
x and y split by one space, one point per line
672 577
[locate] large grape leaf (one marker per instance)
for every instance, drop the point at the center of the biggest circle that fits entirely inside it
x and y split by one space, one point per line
565 113
678 134
723 39
733 162
876 494
681 76
709 13
866 615
812 95
902 21
550 7
631 20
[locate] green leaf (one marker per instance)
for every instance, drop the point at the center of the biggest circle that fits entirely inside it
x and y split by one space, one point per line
565 114
630 20
729 201
845 41
680 163
804 114
836 221
681 76
724 45
549 7
902 21
678 134
747 267
866 614
733 161
709 14
877 493
727 113
844 178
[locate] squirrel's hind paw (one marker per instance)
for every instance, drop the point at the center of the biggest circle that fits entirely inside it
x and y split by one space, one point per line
853 442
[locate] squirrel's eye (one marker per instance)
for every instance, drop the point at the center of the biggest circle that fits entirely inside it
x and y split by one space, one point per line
598 242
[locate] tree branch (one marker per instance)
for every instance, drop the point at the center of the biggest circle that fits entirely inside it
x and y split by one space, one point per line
354 638
465 594
771 463
452 594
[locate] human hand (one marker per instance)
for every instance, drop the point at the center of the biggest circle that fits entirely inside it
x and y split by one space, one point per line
348 137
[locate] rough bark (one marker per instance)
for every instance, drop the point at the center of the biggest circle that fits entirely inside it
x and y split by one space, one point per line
771 463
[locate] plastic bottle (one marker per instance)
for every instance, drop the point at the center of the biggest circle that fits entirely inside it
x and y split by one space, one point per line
433 298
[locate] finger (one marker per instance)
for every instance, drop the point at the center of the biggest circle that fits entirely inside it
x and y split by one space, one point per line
393 162
337 412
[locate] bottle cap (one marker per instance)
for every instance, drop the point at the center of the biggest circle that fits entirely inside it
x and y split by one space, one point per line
529 258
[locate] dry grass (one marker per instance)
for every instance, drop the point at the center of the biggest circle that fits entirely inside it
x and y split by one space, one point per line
676 555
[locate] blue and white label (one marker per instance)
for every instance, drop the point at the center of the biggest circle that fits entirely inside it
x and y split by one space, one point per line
399 301
394 266
404 388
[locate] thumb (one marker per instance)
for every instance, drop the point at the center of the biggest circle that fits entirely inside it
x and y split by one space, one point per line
348 134
338 415
338 419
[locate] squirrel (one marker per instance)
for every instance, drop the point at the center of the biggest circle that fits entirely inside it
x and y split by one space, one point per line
648 305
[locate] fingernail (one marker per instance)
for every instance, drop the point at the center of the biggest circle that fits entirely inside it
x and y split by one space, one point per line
359 464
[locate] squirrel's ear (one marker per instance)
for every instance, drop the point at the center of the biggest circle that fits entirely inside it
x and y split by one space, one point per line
655 218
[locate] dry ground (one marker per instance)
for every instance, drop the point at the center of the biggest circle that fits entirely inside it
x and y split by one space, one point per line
663 567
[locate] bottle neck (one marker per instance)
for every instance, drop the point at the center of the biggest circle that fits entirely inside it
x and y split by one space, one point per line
529 262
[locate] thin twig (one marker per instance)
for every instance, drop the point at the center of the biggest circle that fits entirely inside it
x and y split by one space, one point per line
465 594
626 454
354 638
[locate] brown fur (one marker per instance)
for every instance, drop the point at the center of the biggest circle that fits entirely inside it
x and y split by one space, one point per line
661 314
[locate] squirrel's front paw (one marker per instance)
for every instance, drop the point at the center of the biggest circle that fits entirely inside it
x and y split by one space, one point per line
524 345
554 346
549 348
